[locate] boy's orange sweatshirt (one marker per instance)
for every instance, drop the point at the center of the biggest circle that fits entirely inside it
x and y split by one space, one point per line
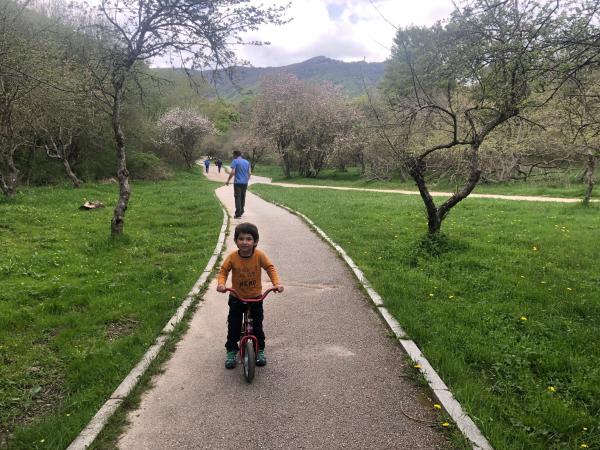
246 277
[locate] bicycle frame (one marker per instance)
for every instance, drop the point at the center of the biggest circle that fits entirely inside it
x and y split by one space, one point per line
247 330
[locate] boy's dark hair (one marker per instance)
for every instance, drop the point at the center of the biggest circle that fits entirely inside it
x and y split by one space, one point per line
236 153
247 228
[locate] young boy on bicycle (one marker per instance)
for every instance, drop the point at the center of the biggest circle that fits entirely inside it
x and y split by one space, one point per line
246 264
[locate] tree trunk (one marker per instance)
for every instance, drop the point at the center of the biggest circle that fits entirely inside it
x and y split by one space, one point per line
417 172
589 177
61 151
118 220
11 177
189 158
474 176
74 179
435 215
4 186
29 164
361 160
286 165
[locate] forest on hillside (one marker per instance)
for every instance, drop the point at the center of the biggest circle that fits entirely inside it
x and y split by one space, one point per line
55 112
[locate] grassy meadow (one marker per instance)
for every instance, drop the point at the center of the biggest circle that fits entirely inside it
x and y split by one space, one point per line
78 308
563 185
507 308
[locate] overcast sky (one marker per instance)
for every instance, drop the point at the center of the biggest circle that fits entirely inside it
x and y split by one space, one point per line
348 30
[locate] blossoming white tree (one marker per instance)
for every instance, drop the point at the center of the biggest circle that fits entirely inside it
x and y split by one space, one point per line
184 129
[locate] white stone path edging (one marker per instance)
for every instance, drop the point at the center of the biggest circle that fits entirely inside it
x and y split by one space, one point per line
437 385
93 429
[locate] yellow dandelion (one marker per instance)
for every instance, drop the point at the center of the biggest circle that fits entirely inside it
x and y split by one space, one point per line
584 445
523 318
437 406
445 424
173 297
431 295
451 296
522 276
534 248
417 366
569 289
584 429
551 389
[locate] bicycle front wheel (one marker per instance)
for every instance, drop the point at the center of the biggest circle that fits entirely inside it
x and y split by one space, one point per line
249 360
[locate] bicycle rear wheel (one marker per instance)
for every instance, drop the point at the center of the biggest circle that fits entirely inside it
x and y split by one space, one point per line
249 360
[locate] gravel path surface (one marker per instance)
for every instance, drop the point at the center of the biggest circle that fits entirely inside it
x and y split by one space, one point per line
334 377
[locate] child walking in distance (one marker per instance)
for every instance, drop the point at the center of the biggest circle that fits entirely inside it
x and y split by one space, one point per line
246 265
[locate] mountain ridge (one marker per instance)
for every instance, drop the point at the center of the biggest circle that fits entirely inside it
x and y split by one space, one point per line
350 76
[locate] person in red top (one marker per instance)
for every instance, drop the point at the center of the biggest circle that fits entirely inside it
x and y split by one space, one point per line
246 264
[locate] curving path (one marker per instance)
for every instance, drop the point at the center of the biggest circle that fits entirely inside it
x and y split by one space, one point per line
521 198
334 379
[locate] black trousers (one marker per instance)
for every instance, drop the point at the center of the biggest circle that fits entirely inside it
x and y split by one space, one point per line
234 323
239 193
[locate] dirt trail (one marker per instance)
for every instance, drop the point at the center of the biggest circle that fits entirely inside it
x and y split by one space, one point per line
522 198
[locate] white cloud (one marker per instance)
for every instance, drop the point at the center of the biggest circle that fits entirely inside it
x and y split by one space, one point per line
347 30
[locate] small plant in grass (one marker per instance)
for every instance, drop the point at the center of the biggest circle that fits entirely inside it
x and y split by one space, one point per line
434 245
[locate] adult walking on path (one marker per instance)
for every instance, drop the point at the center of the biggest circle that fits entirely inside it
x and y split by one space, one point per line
240 172
334 379
206 164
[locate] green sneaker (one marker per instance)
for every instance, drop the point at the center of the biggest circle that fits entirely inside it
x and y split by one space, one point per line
230 360
261 359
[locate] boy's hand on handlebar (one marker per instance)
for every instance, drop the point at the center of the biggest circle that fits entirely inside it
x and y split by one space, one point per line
221 288
279 288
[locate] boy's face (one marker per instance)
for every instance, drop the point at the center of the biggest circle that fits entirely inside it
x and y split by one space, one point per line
245 243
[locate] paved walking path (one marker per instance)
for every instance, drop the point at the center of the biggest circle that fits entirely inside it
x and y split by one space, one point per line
334 378
519 198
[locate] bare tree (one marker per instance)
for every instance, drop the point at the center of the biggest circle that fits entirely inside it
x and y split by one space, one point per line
199 33
61 147
450 86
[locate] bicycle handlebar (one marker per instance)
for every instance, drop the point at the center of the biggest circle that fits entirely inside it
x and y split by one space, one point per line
251 300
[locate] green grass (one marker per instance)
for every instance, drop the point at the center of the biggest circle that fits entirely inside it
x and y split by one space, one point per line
557 186
77 308
508 313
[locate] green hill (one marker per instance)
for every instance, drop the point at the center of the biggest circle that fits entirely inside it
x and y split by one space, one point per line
350 76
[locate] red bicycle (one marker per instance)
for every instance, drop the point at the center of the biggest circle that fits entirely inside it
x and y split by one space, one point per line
249 342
